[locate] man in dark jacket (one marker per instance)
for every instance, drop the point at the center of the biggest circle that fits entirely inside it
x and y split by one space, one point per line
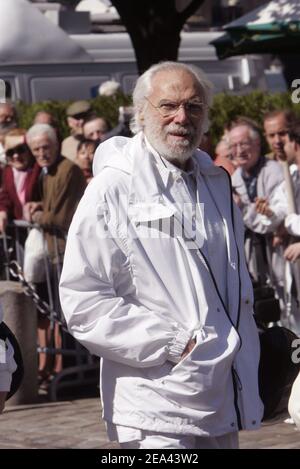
61 185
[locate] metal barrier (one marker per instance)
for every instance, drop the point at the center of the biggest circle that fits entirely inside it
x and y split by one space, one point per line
79 367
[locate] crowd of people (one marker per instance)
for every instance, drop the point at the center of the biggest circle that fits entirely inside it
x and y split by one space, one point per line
260 189
136 304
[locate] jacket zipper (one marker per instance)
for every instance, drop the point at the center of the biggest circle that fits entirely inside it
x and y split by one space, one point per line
235 376
237 385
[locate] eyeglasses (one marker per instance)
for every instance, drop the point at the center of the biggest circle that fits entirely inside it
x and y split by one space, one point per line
170 108
19 150
242 145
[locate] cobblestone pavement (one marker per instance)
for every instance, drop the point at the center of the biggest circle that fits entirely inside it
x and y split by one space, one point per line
78 424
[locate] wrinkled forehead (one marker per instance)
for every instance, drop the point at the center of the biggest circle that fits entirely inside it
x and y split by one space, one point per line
175 85
96 124
41 139
239 133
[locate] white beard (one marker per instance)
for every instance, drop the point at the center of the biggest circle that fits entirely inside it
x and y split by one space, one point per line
179 151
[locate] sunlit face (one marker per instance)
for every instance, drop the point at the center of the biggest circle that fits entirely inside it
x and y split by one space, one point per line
276 134
44 150
95 129
85 156
19 157
176 136
245 150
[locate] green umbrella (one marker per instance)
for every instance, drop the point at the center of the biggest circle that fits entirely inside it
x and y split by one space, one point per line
270 29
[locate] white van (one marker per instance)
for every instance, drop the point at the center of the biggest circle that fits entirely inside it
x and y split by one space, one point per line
112 57
40 61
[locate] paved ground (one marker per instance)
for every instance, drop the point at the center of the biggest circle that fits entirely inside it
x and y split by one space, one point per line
78 424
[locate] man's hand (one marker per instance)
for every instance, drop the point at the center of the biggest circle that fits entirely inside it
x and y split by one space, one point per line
36 216
3 221
2 400
188 348
30 209
292 252
262 207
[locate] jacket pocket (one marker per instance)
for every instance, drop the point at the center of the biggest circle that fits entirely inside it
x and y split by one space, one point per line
203 337
193 377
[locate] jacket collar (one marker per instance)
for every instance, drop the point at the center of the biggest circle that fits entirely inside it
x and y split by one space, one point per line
147 174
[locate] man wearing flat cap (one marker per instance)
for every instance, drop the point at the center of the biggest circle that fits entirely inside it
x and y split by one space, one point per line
77 113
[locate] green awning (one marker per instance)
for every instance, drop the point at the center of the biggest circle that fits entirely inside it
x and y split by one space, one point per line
253 34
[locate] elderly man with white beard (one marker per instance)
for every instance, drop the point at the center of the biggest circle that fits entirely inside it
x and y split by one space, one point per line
155 282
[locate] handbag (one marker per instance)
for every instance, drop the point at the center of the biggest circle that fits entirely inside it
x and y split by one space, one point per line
17 376
277 371
34 257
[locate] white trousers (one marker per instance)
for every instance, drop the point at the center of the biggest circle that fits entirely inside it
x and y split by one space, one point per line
151 440
294 402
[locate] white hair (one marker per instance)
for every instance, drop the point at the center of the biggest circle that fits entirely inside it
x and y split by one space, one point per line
253 132
143 89
41 129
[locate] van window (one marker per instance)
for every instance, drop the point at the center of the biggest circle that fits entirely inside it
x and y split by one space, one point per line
7 89
65 88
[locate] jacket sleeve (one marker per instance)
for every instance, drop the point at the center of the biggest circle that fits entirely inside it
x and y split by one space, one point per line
292 224
99 302
271 181
260 223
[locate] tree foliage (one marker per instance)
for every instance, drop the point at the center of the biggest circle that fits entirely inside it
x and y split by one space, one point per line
225 109
103 106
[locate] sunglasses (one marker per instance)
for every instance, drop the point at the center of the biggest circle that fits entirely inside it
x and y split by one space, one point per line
19 150
80 116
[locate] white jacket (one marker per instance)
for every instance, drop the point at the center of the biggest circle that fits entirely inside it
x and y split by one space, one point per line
280 203
269 178
135 301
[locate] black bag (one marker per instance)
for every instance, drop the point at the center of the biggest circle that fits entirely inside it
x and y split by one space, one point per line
6 333
277 372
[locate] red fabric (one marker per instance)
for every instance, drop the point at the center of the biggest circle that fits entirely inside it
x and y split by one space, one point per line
226 163
9 201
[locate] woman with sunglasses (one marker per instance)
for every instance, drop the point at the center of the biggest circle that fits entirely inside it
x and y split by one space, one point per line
19 179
